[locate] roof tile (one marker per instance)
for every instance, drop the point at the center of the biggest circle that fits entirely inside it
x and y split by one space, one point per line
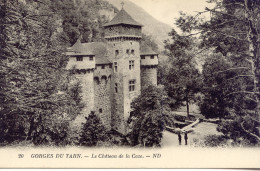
122 18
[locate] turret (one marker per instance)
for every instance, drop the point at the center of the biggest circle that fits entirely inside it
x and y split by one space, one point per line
80 57
82 61
149 63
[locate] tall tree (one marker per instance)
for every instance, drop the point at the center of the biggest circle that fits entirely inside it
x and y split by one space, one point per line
233 30
182 78
37 101
148 117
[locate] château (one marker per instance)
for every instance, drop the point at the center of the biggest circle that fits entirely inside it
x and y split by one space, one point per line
114 72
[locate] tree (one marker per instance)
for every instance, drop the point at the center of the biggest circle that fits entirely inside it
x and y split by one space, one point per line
215 103
37 102
147 40
93 131
81 19
233 30
148 117
182 78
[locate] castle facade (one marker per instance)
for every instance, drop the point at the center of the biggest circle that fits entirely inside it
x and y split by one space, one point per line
114 72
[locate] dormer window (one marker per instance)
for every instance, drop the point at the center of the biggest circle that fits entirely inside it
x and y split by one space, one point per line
91 58
79 58
152 56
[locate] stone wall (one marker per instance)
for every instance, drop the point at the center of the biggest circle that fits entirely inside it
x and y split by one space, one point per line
123 98
148 76
147 60
86 63
102 87
87 85
122 30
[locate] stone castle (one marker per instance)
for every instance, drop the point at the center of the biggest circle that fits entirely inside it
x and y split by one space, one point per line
114 72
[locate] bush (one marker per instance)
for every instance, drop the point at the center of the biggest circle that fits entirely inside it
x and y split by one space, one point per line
93 131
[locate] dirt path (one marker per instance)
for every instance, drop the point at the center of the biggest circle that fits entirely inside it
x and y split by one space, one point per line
199 133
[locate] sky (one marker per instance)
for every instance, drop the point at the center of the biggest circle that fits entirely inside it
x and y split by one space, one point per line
166 10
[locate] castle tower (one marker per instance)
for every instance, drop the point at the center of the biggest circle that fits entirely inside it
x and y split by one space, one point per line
123 35
149 63
93 70
82 61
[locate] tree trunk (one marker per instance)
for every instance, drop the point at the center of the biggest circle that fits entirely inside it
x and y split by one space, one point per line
253 46
188 109
28 137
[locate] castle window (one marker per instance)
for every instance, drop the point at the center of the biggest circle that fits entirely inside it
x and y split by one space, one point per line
103 67
91 58
100 110
142 57
131 43
132 85
116 52
132 51
79 58
131 65
152 57
116 88
127 51
115 66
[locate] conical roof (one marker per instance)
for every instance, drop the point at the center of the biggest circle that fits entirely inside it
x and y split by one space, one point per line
122 18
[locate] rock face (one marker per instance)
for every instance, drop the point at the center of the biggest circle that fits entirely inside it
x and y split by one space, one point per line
112 74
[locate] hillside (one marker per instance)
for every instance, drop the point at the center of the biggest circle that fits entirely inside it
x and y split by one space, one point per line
158 30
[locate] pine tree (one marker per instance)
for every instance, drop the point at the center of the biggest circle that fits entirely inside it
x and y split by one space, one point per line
93 131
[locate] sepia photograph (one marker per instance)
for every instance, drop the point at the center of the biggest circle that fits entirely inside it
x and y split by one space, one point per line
130 83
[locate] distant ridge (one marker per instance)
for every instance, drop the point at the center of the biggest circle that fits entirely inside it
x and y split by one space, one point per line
158 30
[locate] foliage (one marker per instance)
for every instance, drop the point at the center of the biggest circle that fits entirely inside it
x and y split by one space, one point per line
148 117
37 102
182 77
215 87
231 83
93 131
81 19
147 40
212 141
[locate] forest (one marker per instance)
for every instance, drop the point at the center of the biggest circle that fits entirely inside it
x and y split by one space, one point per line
213 63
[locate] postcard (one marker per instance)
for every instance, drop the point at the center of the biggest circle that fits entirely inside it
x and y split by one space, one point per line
129 84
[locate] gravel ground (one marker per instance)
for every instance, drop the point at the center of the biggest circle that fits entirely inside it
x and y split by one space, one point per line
200 132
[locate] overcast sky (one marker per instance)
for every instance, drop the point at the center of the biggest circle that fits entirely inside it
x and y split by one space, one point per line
166 10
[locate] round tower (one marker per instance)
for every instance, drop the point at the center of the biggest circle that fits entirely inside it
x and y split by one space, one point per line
82 63
149 63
